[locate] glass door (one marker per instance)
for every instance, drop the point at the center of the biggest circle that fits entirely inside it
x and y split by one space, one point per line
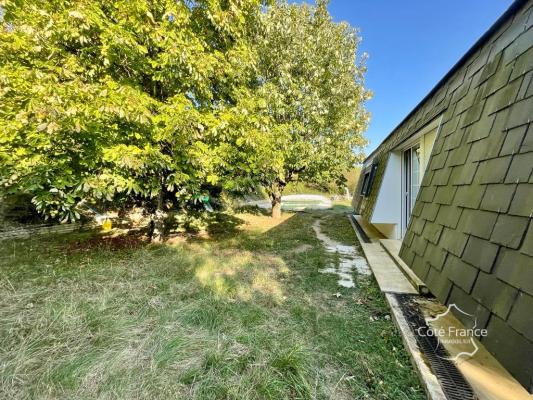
411 181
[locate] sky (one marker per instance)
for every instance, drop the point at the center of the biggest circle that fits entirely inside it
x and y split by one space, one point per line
411 45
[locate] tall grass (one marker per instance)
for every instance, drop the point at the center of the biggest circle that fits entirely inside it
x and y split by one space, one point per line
236 315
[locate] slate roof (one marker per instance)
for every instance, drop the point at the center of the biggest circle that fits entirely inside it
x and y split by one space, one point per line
470 237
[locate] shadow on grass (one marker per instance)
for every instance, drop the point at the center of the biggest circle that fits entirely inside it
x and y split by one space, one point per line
242 312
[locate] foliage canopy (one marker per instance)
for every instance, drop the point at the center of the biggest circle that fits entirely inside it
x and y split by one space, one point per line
155 101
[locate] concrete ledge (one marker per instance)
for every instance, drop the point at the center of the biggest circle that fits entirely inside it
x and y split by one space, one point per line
392 247
389 277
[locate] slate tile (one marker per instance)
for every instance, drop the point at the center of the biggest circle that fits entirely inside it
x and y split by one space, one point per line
523 64
497 198
494 294
521 317
499 79
520 169
449 216
480 253
448 114
524 87
510 34
478 150
478 62
450 126
520 113
463 174
469 196
516 269
459 155
490 67
497 135
419 245
463 100
441 177
435 256
529 91
407 255
417 209
437 146
460 273
453 241
513 140
493 171
420 267
473 114
456 80
527 244
438 284
509 230
481 129
427 194
522 204
438 161
453 140
417 225
468 305
519 46
430 210
444 194
432 232
513 350
477 222
503 97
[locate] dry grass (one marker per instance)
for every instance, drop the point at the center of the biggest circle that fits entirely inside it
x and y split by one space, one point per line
235 314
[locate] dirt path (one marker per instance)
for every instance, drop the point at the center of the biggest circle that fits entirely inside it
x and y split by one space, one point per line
350 260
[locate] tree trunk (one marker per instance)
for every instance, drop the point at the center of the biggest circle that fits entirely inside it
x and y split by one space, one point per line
276 207
157 221
275 198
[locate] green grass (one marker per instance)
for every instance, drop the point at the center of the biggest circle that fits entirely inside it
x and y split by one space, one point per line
240 313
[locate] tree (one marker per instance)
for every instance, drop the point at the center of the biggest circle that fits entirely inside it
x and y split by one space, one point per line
136 98
313 84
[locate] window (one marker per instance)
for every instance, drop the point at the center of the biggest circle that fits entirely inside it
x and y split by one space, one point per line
368 180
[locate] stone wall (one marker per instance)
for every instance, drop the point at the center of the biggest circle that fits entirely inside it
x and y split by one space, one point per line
36 230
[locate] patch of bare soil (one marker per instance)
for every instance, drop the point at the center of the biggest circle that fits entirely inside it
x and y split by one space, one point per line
113 243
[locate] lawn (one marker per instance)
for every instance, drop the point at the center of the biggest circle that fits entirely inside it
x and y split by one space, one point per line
241 312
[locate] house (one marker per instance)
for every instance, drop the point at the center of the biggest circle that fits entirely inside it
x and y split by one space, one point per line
453 181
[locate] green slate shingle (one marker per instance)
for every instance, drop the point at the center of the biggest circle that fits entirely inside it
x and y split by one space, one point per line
513 140
469 196
480 253
478 223
527 245
520 169
511 348
515 269
521 317
522 204
498 198
494 294
493 171
460 273
509 230
467 304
